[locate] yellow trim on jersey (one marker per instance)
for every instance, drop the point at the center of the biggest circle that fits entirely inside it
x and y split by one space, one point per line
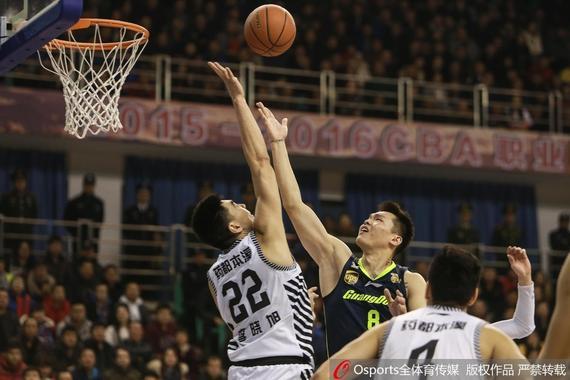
382 274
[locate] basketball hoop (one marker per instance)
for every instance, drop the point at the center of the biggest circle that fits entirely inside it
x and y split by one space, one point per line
93 72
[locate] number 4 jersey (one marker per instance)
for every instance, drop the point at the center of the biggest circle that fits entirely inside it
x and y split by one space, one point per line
265 305
433 332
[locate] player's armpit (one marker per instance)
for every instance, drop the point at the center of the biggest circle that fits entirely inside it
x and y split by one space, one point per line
362 348
416 289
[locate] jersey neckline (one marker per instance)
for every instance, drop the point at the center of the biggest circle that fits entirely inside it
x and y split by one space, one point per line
387 270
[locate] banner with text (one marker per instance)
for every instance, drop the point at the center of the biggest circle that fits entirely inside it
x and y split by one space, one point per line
25 111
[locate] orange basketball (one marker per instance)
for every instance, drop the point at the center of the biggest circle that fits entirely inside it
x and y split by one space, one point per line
269 30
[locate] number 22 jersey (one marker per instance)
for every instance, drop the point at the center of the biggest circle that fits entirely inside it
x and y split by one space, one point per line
265 305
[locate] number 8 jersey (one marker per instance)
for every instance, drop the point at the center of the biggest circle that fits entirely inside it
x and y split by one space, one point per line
265 305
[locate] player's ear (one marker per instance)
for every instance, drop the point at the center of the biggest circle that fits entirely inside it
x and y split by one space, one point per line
473 297
235 228
396 240
428 291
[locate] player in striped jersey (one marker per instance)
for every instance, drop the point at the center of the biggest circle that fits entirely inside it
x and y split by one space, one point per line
257 285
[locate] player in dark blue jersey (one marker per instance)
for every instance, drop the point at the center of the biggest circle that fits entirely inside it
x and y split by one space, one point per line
358 293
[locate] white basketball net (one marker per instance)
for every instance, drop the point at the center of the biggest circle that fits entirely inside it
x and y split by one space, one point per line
92 79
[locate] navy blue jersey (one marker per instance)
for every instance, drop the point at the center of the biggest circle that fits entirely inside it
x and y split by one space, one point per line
357 303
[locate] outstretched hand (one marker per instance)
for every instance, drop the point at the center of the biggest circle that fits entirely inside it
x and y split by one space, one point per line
520 264
232 83
277 130
396 305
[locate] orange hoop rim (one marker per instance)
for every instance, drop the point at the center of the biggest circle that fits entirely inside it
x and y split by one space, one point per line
85 23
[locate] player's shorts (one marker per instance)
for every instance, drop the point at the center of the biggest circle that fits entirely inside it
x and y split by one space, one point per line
268 372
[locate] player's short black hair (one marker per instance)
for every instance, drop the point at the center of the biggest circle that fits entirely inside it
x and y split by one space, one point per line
453 276
210 222
403 224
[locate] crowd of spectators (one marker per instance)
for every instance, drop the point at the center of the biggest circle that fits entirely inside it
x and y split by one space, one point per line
518 45
65 314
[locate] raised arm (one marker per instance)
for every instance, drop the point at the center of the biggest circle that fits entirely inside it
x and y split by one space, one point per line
322 247
522 323
268 217
557 342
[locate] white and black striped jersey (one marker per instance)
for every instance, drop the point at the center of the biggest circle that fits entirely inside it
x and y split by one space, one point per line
265 305
433 332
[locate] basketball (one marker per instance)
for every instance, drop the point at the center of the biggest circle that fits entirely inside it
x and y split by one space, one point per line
269 30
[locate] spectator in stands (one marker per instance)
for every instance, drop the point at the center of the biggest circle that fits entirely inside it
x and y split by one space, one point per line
100 309
122 370
64 375
141 214
83 284
161 333
23 261
490 290
463 232
88 253
11 364
77 319
188 353
168 366
103 351
20 301
87 207
113 281
46 326
518 115
32 347
9 324
31 373
194 287
118 332
345 225
134 302
213 370
56 263
87 368
5 275
40 282
542 318
18 203
507 233
139 348
67 349
151 375
56 305
559 240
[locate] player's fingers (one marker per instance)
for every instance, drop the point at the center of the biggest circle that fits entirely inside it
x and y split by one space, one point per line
388 296
284 122
262 109
313 291
511 259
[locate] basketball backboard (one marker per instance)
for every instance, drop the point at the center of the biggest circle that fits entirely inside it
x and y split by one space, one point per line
27 25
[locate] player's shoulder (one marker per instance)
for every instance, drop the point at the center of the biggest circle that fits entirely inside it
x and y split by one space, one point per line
413 277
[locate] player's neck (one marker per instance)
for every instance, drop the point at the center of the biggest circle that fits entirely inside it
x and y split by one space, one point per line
375 262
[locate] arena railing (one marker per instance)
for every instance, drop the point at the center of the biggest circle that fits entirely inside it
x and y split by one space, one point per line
157 256
168 78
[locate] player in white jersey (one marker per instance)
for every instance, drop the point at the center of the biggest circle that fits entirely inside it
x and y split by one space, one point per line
257 285
442 330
